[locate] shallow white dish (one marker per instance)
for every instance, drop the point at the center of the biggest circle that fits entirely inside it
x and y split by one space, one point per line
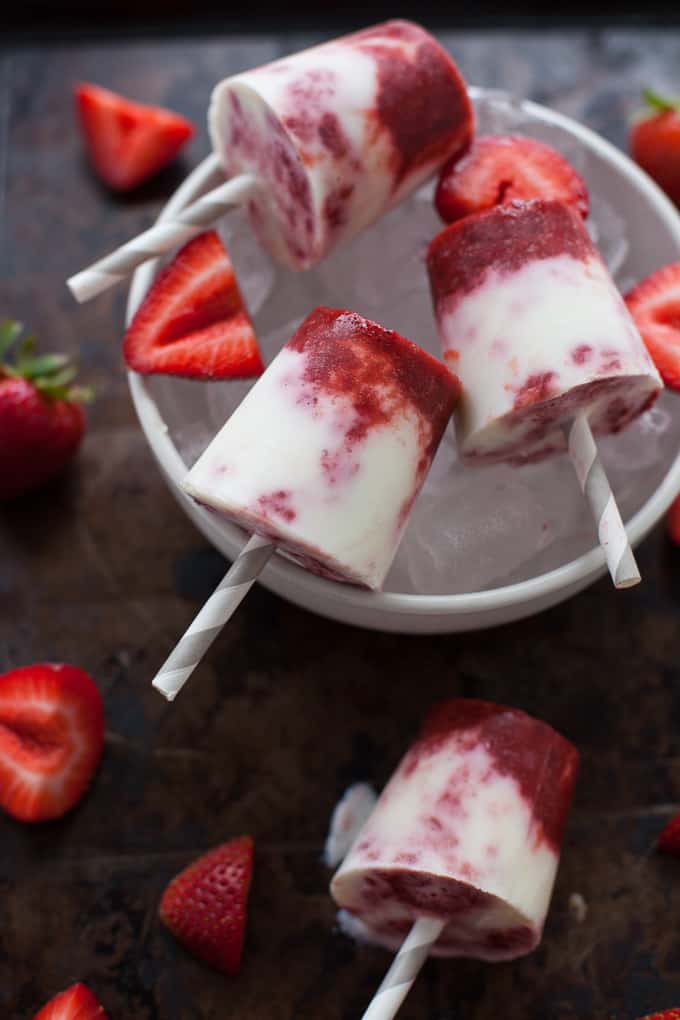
550 561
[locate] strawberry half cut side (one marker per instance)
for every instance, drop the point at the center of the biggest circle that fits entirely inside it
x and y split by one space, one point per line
655 306
127 142
193 321
205 905
507 168
51 739
76 1003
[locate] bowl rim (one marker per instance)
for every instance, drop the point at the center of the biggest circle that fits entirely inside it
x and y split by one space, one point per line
282 574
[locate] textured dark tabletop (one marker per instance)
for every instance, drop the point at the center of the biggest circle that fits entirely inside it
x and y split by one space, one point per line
104 571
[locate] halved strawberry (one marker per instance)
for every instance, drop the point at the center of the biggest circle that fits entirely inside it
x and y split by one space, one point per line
673 521
51 739
669 840
655 142
506 168
667 1014
193 321
655 305
76 1003
128 142
205 906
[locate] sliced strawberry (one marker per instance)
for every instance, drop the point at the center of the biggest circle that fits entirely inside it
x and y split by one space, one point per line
128 142
667 1014
205 906
655 305
76 1003
673 521
51 739
669 840
193 321
506 168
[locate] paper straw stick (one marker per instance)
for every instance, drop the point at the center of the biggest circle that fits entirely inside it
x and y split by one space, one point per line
221 605
160 238
597 490
405 969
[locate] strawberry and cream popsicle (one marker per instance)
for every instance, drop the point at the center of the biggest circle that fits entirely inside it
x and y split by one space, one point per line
531 320
327 453
468 832
337 135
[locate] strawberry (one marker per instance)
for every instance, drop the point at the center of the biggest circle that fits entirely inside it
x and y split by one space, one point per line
127 142
669 840
655 142
506 168
193 321
668 1014
76 1003
51 739
655 305
41 420
205 906
673 521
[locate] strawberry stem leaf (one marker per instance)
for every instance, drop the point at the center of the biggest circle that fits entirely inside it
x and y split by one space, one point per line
43 365
659 103
10 331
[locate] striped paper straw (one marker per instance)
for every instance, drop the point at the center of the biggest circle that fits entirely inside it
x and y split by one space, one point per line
163 236
221 605
404 970
597 490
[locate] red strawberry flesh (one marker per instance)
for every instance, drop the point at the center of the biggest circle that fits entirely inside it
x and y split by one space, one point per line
193 321
76 1003
128 142
51 738
655 306
669 840
205 905
505 168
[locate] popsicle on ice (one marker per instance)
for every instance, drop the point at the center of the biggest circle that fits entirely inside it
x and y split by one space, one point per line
318 145
467 832
338 134
532 322
545 347
324 459
328 451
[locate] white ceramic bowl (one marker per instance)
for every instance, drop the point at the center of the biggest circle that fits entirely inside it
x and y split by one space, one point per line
653 227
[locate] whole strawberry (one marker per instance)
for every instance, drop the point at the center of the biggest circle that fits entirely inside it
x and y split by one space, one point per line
205 906
655 143
41 417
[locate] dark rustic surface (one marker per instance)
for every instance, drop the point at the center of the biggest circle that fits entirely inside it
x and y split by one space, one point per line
104 571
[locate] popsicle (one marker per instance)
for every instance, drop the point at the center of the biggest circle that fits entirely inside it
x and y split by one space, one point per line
530 319
463 844
325 456
320 144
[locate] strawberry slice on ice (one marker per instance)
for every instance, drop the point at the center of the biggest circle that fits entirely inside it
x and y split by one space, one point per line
128 142
193 321
655 305
507 168
76 1003
51 739
669 840
205 905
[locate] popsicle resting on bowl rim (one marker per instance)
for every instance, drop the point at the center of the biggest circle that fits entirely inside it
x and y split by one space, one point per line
318 145
546 350
325 456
